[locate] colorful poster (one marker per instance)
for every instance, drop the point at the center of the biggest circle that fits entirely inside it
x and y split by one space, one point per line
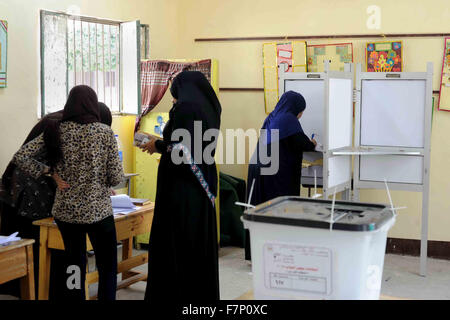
336 53
384 56
288 55
3 52
444 93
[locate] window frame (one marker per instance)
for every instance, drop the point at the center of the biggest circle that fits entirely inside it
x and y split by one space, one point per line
145 28
88 19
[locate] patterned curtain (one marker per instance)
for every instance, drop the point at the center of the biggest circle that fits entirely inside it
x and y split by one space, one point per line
155 76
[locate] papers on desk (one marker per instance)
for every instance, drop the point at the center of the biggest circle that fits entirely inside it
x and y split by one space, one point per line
122 204
5 240
319 147
140 202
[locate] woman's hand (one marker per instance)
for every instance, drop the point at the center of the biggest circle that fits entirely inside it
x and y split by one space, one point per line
62 185
314 142
149 147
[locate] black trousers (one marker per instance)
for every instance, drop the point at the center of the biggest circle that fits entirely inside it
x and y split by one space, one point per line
103 238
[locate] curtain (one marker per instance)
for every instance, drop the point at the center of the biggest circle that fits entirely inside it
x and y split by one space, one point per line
155 76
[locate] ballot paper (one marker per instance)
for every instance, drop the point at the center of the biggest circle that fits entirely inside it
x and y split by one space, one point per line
122 204
141 139
5 240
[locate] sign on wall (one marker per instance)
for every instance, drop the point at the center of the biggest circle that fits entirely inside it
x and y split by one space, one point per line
291 56
338 54
444 93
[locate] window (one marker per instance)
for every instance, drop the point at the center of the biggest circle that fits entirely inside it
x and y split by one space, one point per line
95 52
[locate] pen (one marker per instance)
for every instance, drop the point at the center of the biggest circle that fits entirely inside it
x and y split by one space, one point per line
312 137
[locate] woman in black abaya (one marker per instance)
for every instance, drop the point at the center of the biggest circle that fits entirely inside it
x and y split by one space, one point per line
183 248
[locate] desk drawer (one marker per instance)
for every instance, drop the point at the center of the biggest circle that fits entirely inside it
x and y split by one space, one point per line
13 264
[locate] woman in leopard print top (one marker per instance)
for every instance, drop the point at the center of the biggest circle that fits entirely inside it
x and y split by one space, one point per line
91 167
83 152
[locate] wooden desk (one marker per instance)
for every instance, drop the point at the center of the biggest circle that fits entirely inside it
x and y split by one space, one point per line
16 261
127 226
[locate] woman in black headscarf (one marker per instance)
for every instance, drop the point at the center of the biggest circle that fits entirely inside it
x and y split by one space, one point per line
83 153
24 200
183 248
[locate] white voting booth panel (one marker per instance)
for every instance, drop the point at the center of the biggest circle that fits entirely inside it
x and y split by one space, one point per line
340 113
393 168
392 113
313 92
392 116
392 135
329 116
340 169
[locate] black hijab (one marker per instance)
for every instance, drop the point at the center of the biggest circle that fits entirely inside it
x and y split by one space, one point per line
39 128
105 114
193 88
81 107
194 94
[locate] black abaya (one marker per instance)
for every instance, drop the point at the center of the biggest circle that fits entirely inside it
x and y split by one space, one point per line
11 221
183 248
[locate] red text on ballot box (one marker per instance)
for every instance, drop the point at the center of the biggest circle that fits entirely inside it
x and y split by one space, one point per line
290 266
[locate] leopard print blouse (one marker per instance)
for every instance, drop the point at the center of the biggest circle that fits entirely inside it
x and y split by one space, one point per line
90 165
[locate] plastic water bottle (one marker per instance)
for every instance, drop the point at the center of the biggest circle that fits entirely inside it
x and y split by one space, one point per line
119 145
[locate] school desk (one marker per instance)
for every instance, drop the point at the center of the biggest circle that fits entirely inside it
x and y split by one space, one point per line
16 261
127 226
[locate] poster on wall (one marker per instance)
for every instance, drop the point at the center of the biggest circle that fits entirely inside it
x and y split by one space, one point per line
284 56
338 54
3 52
385 56
444 93
291 56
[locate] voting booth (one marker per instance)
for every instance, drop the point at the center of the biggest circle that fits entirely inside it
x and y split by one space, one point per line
392 130
393 114
329 116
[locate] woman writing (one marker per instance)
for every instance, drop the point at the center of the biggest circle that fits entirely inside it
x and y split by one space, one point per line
183 240
292 142
83 153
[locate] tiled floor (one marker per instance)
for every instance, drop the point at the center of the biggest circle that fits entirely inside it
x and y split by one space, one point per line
400 278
